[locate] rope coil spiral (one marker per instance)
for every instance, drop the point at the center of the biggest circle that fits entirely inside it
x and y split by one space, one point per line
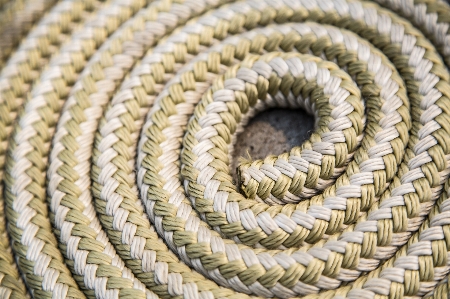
118 120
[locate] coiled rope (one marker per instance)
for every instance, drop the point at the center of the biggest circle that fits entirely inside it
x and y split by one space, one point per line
117 125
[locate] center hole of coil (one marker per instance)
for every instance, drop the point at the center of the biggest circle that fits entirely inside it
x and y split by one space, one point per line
272 132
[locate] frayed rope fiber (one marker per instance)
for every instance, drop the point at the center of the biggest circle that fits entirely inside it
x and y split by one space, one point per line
117 125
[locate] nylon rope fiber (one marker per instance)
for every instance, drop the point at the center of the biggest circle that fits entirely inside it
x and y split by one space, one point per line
118 120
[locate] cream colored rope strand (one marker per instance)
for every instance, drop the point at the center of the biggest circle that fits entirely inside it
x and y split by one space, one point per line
128 129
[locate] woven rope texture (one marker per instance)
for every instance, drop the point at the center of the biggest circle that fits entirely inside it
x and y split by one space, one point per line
118 120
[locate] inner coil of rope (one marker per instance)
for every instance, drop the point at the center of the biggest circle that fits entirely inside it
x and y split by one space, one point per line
118 121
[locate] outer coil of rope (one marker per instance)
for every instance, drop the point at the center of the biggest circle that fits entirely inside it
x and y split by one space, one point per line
16 20
118 120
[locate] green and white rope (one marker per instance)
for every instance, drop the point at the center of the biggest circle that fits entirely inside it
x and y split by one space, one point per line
118 122
16 20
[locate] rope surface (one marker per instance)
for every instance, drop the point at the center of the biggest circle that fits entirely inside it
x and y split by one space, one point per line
118 120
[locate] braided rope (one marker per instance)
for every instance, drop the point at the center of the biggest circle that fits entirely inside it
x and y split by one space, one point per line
16 20
118 121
